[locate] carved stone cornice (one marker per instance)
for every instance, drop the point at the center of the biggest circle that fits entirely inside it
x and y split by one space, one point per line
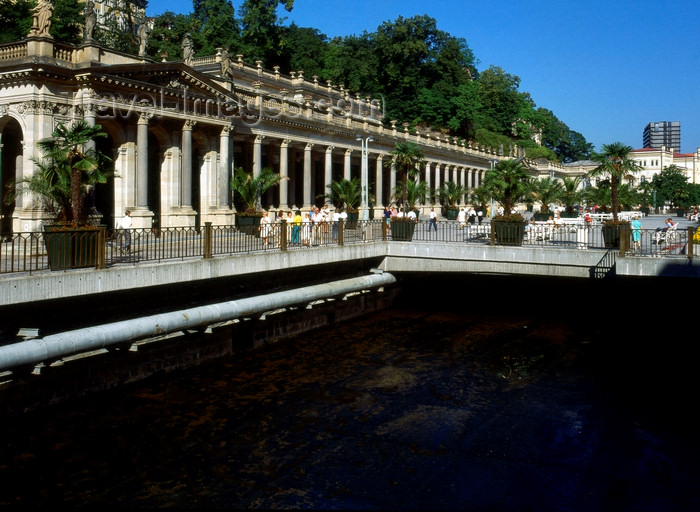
45 107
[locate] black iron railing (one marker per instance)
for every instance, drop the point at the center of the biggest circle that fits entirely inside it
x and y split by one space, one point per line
32 252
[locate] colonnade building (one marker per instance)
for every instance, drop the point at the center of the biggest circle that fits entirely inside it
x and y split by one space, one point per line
176 130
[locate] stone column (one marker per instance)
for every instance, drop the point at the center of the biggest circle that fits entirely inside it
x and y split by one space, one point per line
328 169
437 184
470 179
392 178
307 176
224 166
379 187
257 155
186 169
346 164
427 182
284 174
89 117
142 162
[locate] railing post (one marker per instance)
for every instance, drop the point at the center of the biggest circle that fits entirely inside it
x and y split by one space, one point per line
341 231
689 252
283 234
624 240
385 229
208 240
101 247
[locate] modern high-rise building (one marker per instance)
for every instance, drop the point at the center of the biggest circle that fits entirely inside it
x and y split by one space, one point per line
663 133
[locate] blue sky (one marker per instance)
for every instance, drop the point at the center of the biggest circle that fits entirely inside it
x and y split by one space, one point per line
606 68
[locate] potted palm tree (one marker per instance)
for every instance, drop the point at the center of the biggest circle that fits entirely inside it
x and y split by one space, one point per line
247 190
415 193
406 157
450 195
66 171
507 184
546 191
615 163
346 194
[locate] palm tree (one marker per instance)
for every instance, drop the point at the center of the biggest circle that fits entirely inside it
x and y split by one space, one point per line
451 194
507 183
414 191
67 159
572 193
406 156
480 197
345 194
615 162
546 191
250 189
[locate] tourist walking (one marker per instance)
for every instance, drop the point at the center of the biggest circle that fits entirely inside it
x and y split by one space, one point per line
432 220
125 225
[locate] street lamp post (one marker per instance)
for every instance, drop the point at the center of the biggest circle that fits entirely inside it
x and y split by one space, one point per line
492 164
364 176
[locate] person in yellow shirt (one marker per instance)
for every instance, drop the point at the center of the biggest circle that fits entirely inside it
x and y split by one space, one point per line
296 228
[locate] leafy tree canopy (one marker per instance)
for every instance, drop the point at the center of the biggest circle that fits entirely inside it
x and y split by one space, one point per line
423 75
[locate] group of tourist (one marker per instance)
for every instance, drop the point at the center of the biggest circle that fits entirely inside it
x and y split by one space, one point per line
307 229
470 216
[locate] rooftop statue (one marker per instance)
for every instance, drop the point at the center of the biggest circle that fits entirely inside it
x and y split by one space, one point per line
90 20
42 19
187 50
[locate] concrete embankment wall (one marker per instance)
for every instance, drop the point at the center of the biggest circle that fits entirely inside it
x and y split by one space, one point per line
127 363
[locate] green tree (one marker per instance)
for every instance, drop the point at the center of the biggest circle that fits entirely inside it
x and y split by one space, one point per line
671 186
250 189
303 49
451 194
409 53
261 33
406 156
117 30
345 194
502 103
67 158
615 164
67 21
507 183
415 193
480 197
15 20
167 33
351 61
217 26
571 194
546 191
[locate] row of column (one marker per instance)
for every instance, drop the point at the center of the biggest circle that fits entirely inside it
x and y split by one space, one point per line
184 194
469 178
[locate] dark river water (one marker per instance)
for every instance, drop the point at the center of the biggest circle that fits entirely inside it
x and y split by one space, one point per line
441 403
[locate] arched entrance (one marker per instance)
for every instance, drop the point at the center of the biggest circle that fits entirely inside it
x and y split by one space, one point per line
11 153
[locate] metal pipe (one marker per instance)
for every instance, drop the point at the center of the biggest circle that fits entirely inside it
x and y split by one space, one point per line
55 346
